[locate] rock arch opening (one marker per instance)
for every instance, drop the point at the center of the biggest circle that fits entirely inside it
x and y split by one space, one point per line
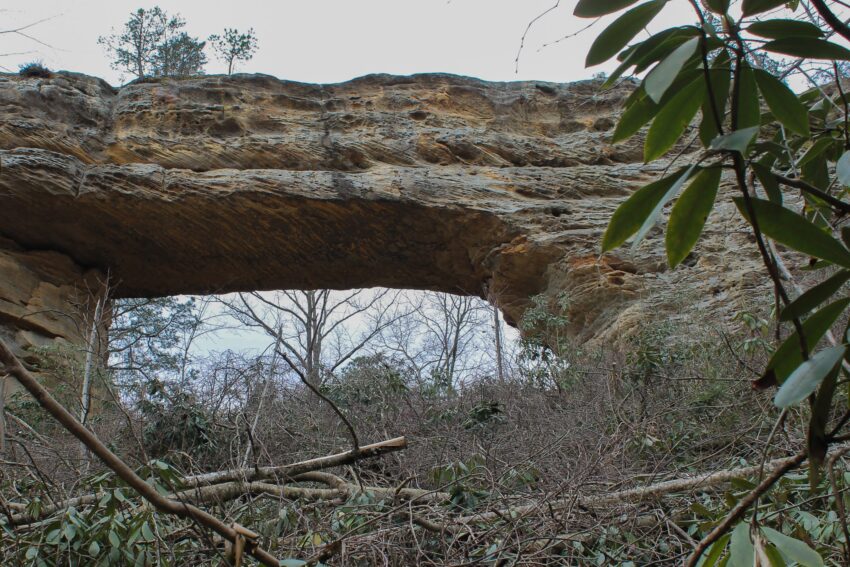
220 184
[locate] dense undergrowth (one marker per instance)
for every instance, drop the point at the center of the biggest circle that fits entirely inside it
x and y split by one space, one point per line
550 449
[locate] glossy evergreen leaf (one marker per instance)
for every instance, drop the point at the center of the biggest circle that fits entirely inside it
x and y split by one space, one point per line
622 31
689 214
663 75
794 231
774 556
720 76
749 109
629 56
751 7
808 48
793 549
632 214
788 356
783 103
816 172
816 441
737 141
650 50
715 552
842 169
597 8
807 377
672 120
718 6
741 550
772 151
640 109
636 115
666 47
779 29
815 296
768 182
815 151
653 215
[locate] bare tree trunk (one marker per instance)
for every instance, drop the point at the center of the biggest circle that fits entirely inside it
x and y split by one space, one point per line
497 325
93 344
3 379
259 409
313 356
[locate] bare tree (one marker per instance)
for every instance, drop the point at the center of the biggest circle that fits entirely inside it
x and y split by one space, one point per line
23 31
319 329
445 340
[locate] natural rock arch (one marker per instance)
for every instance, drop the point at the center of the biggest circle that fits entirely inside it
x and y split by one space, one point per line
219 184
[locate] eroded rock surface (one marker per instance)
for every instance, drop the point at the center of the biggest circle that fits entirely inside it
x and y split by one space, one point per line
218 184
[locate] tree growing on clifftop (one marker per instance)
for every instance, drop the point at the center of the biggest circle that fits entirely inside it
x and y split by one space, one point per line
152 44
233 46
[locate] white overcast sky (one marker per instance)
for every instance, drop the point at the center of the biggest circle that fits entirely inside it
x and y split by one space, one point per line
331 40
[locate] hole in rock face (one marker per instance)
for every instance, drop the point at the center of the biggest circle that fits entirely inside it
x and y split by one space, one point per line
319 334
227 127
691 260
183 364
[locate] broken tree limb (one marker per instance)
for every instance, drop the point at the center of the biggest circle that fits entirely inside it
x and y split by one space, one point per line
294 469
224 489
743 505
223 492
458 526
689 483
231 490
14 368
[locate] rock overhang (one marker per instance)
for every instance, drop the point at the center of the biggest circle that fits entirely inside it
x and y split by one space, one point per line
217 184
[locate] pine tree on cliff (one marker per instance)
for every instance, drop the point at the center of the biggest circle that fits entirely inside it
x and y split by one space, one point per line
152 44
233 46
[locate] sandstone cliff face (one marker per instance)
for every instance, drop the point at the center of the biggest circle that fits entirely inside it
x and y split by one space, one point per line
43 297
438 182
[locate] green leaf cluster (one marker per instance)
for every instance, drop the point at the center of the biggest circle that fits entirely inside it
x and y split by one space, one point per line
719 104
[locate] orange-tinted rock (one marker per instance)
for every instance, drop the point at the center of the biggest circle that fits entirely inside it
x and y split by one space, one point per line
439 182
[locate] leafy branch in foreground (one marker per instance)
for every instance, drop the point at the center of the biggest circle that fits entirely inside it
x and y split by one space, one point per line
785 152
13 367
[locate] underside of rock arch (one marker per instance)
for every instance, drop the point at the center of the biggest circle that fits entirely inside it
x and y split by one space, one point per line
219 184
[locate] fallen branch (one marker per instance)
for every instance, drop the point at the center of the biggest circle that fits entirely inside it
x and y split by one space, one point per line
694 482
295 469
231 490
743 505
15 369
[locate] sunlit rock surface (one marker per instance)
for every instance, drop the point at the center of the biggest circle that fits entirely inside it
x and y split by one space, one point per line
439 182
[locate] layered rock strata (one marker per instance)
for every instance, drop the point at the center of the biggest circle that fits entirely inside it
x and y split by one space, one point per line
218 184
